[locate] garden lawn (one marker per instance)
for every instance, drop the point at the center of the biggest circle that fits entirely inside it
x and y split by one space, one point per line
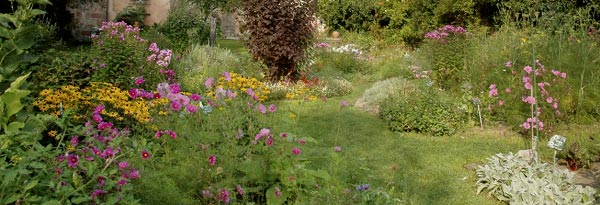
427 170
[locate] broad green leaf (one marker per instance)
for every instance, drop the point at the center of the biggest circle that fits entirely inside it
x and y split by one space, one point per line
35 12
52 202
37 165
18 82
31 184
14 127
8 18
80 200
13 198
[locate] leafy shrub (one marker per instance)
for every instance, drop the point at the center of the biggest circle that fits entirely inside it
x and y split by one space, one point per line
353 15
185 26
132 14
425 109
72 68
513 179
345 62
278 34
310 89
380 91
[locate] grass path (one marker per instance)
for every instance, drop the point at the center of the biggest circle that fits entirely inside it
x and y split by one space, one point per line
429 170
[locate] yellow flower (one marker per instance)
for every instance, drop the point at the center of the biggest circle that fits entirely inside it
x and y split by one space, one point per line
52 133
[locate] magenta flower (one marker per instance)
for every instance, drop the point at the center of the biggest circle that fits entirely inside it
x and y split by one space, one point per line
133 174
212 160
157 134
97 193
337 148
302 141
123 165
549 100
73 160
175 88
145 154
224 196
133 93
262 133
74 140
272 108
195 97
269 141
191 108
296 151
98 109
508 64
176 106
122 182
101 181
283 135
173 134
139 80
107 153
231 94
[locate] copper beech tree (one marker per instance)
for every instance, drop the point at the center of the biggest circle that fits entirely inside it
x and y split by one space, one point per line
279 31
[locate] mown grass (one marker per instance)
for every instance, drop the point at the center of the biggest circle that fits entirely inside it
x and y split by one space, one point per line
427 170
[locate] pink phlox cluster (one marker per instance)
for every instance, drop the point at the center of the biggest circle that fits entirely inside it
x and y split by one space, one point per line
440 34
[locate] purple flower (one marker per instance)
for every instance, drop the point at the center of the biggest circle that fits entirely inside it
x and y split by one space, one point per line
98 109
173 134
122 182
175 88
508 64
145 154
101 181
134 174
97 193
139 80
191 108
212 160
123 165
176 106
133 93
224 196
107 153
296 151
337 148
73 160
195 97
283 135
74 140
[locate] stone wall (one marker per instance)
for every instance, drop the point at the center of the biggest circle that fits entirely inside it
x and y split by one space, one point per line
157 10
87 17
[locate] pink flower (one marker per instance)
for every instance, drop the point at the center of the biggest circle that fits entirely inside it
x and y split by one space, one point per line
97 118
501 102
73 160
212 160
344 103
239 189
302 141
272 108
98 109
74 140
528 99
337 148
173 134
555 105
277 192
208 83
227 76
549 100
528 86
508 90
157 134
563 75
224 196
508 64
133 174
269 141
526 125
283 135
263 132
261 108
145 154
296 151
175 88
139 80
528 69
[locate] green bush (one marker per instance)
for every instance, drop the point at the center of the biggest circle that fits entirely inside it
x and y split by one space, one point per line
353 15
513 179
185 26
424 110
382 90
71 68
446 47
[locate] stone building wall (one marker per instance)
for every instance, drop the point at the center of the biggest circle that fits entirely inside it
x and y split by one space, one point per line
87 17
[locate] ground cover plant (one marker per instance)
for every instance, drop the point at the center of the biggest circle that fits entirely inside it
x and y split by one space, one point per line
363 121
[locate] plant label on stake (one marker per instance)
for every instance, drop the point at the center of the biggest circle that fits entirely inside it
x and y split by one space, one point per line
557 143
